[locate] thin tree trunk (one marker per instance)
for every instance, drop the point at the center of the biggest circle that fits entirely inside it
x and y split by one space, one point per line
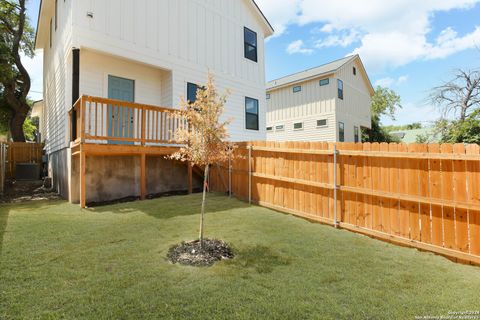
202 215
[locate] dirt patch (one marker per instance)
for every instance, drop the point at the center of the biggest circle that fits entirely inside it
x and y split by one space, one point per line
22 191
193 254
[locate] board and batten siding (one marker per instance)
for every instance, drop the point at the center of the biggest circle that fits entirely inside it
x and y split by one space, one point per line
186 37
57 70
312 103
354 109
95 69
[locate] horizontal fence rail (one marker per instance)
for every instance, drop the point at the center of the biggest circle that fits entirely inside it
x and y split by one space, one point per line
425 196
103 120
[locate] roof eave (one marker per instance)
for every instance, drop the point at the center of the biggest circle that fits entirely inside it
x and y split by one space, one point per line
269 29
38 24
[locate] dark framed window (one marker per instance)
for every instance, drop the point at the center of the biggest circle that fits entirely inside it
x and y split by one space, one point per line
268 96
321 123
354 71
298 126
280 127
324 82
297 89
191 92
250 44
251 113
56 14
340 89
51 26
356 134
269 128
341 132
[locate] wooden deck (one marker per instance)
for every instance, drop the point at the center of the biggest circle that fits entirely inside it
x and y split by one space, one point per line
106 127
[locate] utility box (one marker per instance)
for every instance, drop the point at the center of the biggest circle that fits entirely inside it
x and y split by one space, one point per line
27 171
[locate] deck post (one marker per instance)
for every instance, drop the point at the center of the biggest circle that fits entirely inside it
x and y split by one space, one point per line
190 179
83 179
143 178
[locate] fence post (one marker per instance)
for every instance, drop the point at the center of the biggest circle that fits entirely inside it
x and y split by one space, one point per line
2 167
230 175
250 174
335 187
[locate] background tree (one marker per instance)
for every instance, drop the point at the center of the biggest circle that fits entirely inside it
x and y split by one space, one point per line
16 38
205 139
459 102
385 102
459 97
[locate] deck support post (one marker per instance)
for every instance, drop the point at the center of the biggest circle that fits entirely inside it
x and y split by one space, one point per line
143 177
83 179
190 178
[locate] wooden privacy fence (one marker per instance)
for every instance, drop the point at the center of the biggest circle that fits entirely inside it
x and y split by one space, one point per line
424 196
22 152
3 166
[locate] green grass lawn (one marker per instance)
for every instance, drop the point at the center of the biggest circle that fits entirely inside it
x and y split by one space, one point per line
57 261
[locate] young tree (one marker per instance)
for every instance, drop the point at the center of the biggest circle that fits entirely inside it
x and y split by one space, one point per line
16 38
205 137
385 102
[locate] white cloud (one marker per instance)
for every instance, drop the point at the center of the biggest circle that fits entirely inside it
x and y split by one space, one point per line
412 112
298 47
393 33
342 40
391 82
35 70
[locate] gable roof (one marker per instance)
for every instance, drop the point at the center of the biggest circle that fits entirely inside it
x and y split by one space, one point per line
318 72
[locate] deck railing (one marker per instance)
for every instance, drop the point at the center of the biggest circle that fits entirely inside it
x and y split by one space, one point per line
100 120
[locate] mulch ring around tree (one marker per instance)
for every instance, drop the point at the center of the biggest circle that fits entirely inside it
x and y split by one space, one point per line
192 254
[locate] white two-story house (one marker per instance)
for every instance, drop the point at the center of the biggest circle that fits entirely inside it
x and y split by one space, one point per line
115 69
328 103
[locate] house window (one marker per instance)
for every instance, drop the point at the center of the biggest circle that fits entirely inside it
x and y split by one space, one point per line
251 113
298 126
340 89
324 82
341 132
354 71
269 128
250 43
191 92
268 96
280 127
356 134
321 123
56 14
51 32
297 89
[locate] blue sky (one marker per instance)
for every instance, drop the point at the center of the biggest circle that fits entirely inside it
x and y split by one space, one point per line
408 45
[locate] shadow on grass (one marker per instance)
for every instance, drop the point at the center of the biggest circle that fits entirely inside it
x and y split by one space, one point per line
174 206
32 206
3 224
262 259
